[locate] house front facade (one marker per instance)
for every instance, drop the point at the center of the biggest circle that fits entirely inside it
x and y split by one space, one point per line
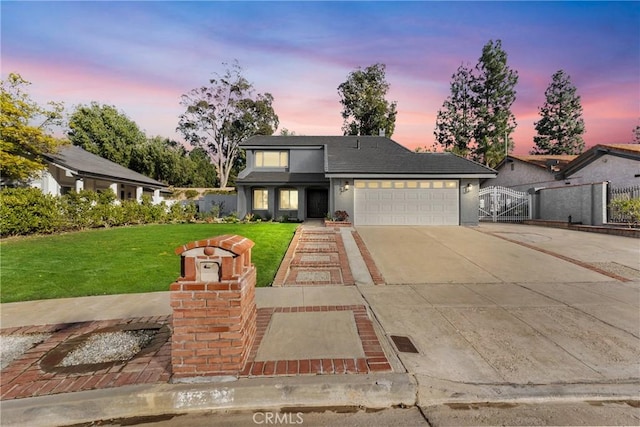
374 179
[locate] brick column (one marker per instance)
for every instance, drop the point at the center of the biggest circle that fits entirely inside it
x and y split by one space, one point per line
214 310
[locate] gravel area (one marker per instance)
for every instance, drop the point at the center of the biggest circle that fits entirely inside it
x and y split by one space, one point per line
109 347
14 346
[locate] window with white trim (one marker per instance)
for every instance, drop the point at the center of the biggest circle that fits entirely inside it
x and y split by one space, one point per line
288 199
260 199
272 159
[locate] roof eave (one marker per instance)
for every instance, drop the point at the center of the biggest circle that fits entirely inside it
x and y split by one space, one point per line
365 175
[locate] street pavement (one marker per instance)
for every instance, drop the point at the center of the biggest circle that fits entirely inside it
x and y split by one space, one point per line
538 334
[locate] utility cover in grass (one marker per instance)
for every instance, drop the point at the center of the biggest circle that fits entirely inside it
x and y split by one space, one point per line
311 335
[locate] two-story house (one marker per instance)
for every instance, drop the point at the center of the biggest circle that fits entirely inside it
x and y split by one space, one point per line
374 179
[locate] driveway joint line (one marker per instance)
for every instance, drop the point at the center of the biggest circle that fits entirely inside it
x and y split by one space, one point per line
581 311
560 256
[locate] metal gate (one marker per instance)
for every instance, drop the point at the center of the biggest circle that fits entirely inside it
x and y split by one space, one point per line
504 204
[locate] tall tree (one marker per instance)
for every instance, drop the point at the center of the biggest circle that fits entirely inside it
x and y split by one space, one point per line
168 161
24 130
560 128
636 135
204 174
456 120
222 114
476 119
494 91
365 109
104 131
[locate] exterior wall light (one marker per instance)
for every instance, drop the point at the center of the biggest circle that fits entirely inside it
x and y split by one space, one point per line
345 187
468 188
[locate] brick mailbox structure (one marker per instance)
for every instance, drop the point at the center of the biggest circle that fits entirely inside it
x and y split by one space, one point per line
214 309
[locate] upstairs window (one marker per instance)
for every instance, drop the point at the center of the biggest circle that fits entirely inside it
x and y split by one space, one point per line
272 159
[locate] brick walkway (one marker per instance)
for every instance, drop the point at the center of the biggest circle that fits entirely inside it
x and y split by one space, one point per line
316 256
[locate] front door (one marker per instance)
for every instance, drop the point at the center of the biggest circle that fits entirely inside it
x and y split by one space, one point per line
317 202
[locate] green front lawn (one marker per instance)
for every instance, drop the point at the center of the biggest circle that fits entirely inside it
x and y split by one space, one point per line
122 260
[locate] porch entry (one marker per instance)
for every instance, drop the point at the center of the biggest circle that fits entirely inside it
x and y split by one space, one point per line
317 202
504 204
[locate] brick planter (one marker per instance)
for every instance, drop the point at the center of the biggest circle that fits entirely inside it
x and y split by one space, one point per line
214 310
331 223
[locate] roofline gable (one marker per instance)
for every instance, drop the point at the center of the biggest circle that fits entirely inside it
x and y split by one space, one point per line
597 151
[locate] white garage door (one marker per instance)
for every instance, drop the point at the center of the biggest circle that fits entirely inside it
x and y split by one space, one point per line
406 202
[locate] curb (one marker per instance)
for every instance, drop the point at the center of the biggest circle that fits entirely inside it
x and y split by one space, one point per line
434 391
254 394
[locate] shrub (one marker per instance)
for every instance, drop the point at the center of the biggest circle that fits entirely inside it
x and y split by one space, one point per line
232 217
341 215
629 208
189 212
78 209
190 194
221 192
176 213
27 211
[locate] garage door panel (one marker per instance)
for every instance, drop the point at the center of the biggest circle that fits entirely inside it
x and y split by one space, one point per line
407 203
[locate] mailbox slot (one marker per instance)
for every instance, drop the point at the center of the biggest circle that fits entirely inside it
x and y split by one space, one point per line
209 271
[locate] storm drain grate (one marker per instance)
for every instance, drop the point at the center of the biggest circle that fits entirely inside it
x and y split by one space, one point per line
404 344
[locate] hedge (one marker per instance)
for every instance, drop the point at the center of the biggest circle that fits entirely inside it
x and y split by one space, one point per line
26 211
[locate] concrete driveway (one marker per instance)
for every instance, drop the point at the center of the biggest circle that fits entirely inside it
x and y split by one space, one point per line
495 321
413 255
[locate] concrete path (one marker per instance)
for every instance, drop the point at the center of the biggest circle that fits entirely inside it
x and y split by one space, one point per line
122 306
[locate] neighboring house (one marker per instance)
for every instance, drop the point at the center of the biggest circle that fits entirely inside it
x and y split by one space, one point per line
618 164
73 168
522 173
374 179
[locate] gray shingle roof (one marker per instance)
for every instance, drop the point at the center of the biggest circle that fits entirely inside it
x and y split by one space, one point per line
284 177
89 165
374 155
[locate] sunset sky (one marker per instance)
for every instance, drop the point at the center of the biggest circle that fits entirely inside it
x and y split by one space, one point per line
142 56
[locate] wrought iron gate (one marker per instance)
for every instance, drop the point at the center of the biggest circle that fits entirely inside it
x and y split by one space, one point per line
504 204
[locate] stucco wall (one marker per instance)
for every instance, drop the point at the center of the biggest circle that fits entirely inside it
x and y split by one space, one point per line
228 203
620 172
341 200
469 200
585 204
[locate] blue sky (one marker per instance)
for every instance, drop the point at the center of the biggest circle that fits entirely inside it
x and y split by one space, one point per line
142 56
